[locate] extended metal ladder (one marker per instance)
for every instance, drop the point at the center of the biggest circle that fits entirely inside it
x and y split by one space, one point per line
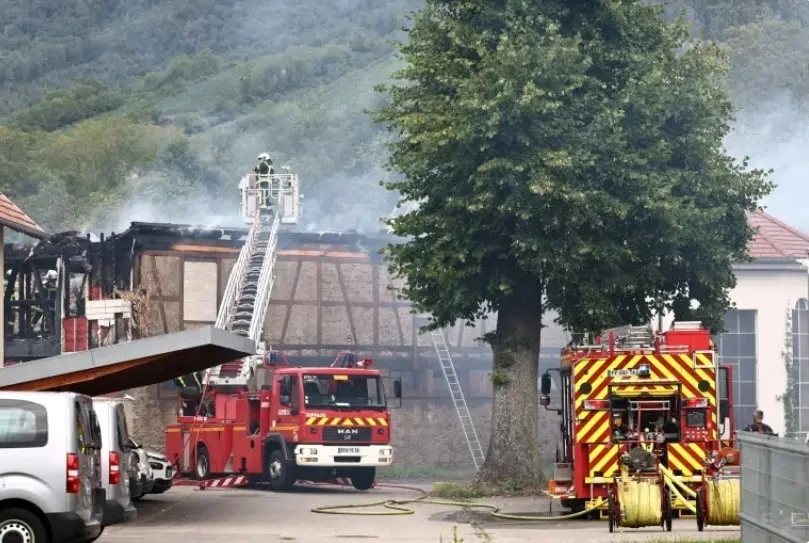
458 399
244 304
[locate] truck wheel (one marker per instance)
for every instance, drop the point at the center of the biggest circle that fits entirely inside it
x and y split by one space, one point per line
278 473
21 525
363 478
203 467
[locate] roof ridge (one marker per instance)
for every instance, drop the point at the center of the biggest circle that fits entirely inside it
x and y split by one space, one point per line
782 224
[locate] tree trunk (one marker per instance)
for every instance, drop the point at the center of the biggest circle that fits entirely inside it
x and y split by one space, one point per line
513 453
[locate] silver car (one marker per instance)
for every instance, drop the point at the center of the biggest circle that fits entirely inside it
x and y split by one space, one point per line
115 459
50 468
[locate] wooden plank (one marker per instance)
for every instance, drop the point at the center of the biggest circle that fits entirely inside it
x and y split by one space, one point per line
344 291
289 306
205 249
159 289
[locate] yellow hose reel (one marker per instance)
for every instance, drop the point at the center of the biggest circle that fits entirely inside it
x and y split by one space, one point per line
719 503
638 503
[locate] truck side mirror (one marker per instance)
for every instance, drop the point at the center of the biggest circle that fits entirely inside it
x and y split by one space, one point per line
545 385
724 409
397 388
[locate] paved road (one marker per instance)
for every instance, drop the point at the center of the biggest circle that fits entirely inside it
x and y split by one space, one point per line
188 515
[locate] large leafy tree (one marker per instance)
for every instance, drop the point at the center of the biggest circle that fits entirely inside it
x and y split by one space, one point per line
567 155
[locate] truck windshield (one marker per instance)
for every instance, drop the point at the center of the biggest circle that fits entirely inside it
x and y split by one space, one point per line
343 391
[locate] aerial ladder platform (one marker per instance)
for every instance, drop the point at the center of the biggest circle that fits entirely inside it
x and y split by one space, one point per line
267 202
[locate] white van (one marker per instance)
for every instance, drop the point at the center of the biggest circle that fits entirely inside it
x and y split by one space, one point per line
50 478
115 460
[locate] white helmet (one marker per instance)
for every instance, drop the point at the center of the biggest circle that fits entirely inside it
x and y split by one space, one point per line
51 275
264 156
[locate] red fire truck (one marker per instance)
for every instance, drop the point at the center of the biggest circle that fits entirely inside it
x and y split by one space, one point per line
634 388
313 424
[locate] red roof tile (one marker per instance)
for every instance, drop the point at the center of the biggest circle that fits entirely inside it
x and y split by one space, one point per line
775 240
16 219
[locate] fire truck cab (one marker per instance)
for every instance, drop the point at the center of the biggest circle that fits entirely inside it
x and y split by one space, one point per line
305 423
631 389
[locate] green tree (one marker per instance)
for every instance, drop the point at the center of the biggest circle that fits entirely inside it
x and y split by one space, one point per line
567 155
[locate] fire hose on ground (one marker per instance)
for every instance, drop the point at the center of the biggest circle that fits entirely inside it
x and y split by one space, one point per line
397 507
640 502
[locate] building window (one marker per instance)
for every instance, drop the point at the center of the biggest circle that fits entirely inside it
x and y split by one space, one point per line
800 357
737 349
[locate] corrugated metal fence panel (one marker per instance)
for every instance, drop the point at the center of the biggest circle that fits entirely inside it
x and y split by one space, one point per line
775 489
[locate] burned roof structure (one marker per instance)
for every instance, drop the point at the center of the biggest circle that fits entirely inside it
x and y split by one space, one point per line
164 236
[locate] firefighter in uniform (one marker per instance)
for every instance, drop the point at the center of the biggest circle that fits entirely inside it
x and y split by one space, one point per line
193 380
264 169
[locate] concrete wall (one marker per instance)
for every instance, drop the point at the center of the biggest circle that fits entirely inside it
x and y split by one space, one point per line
772 292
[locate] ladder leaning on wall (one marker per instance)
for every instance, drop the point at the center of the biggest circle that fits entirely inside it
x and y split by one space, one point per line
458 399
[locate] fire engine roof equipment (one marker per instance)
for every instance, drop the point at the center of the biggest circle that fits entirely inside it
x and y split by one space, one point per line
128 365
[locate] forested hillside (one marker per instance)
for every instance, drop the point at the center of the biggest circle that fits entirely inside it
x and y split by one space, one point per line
151 109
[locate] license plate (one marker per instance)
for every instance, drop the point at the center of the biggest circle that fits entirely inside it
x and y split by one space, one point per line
348 450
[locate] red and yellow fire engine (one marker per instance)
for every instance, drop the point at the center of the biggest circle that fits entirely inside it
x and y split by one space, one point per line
313 424
665 390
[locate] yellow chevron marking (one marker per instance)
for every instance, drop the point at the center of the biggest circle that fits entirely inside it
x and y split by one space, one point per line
604 462
703 360
593 454
692 456
586 364
382 422
359 421
599 374
675 464
592 373
698 454
597 416
335 421
310 421
371 422
348 422
323 421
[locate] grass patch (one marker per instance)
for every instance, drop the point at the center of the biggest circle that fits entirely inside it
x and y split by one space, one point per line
468 491
457 491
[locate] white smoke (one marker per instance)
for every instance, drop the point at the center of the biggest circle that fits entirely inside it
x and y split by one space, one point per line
167 198
776 135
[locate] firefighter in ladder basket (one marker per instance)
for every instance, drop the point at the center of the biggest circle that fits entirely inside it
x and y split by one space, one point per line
264 170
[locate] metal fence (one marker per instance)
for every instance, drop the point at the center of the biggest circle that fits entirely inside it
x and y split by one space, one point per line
775 489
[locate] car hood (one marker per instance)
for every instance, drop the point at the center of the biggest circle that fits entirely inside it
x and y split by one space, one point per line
156 455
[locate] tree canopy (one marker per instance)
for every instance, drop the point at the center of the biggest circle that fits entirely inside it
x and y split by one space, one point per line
567 156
